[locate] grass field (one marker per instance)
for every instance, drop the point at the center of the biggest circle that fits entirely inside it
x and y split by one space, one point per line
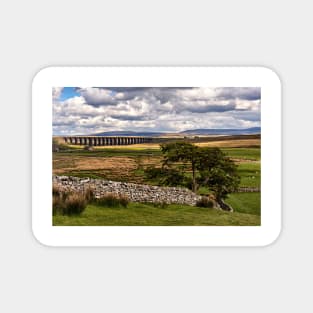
246 202
127 163
138 214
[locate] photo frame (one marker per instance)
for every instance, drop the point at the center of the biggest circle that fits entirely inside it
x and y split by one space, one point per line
159 77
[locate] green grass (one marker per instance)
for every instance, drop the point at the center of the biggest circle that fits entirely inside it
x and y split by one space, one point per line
250 174
103 152
247 205
138 214
243 153
84 173
246 202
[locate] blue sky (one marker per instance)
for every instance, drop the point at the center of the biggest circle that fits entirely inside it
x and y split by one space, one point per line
97 109
68 92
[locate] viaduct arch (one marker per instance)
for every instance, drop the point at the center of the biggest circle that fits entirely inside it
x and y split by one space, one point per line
105 141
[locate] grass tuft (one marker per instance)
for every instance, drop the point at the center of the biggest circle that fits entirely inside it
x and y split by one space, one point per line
75 204
66 202
205 202
112 201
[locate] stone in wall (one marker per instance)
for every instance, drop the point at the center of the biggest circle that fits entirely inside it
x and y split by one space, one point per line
134 192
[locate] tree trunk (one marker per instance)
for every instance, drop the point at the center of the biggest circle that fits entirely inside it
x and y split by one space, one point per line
224 206
194 184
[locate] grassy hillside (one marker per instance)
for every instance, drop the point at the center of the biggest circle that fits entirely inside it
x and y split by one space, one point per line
245 202
138 214
127 164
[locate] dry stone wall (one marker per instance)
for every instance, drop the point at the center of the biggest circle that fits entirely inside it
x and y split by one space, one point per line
134 192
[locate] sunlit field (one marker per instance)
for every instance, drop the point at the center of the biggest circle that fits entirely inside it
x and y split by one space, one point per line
128 164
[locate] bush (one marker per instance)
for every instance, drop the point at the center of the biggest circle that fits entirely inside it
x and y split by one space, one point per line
89 194
153 172
75 204
66 202
57 204
112 201
56 191
205 202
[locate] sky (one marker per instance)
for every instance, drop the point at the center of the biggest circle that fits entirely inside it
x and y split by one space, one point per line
83 111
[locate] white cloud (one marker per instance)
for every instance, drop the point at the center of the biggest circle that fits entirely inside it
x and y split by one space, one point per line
56 92
155 109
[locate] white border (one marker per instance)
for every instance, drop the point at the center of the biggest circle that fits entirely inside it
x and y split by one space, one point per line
262 235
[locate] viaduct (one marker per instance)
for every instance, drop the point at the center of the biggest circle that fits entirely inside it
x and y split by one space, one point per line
105 141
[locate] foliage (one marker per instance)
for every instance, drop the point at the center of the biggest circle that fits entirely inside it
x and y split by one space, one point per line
181 152
66 202
89 194
112 201
218 172
75 204
165 176
209 166
57 204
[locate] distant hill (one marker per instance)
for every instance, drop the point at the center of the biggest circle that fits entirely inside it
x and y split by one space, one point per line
128 133
222 131
210 131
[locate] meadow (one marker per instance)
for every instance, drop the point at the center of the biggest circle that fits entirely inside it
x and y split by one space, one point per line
139 214
127 163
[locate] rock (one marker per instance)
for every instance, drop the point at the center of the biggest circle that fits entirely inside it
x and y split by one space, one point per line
135 192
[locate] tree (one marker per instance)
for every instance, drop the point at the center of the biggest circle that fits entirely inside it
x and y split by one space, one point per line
209 167
181 152
165 176
219 173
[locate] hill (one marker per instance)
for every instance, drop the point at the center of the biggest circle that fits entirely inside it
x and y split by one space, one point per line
128 133
201 131
222 131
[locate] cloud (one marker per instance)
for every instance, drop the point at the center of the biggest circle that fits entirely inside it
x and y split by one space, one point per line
56 92
98 96
99 109
246 93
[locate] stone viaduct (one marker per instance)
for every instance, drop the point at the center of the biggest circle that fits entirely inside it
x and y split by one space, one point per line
105 141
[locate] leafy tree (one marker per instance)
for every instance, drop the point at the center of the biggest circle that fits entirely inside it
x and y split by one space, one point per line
209 167
165 176
181 152
218 172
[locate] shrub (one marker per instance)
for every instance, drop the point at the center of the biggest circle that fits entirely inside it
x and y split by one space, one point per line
205 202
56 191
153 172
57 204
112 201
66 202
74 204
89 194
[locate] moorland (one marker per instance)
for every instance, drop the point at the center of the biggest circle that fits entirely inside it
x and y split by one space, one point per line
129 164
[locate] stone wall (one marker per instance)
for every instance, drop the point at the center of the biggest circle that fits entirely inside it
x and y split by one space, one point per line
134 192
249 189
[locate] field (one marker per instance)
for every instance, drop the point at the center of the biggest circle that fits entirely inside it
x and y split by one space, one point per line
138 214
127 163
